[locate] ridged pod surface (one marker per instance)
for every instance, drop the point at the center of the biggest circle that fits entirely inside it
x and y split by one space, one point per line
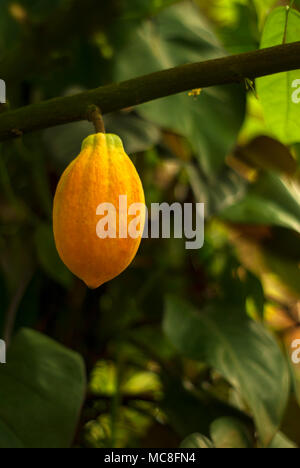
100 174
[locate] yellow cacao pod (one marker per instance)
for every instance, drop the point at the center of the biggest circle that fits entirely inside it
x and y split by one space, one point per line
99 175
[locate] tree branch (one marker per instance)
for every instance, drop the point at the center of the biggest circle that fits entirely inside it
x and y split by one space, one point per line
111 98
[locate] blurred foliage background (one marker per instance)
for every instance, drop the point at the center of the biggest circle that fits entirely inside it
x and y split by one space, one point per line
189 348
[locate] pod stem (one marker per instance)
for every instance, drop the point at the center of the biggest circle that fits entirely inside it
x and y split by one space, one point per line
95 116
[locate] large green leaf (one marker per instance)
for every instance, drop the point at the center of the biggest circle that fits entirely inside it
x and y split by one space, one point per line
241 350
219 193
270 201
276 91
42 388
177 36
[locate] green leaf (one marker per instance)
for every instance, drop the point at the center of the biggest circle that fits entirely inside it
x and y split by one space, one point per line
196 441
42 387
212 121
276 91
48 256
270 201
103 378
230 433
137 383
240 350
280 441
219 193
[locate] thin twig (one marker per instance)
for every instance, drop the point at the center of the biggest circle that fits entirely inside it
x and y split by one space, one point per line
95 116
288 9
286 25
